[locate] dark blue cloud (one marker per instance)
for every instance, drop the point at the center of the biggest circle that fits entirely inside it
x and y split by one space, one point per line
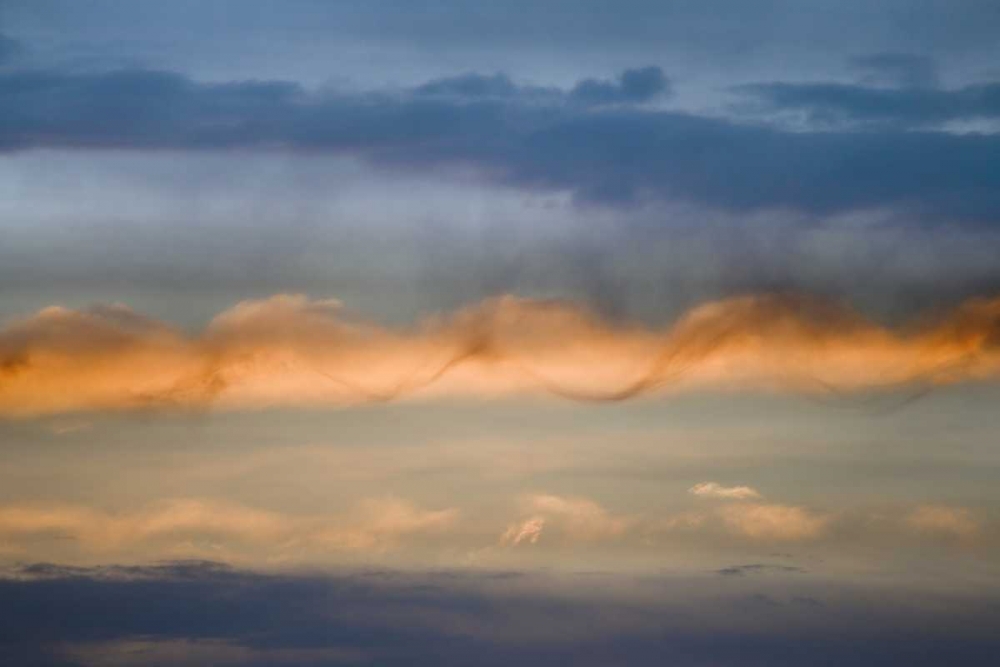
617 152
467 618
834 103
632 87
471 85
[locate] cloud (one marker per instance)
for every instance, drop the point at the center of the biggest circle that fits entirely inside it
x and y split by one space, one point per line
568 518
199 527
715 490
943 521
597 140
292 351
68 427
848 104
529 532
472 85
632 87
207 613
183 652
758 568
577 518
773 522
381 523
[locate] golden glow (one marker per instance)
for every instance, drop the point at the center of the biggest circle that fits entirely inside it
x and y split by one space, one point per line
291 351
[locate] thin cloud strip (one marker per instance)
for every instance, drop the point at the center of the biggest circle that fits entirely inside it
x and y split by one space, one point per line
716 490
193 527
289 350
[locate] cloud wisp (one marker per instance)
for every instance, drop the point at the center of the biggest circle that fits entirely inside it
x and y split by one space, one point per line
291 351
716 490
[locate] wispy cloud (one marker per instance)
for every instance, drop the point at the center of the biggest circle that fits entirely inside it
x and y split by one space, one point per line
943 520
528 531
715 490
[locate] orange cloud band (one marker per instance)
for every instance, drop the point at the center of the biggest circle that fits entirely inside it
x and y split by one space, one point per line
291 351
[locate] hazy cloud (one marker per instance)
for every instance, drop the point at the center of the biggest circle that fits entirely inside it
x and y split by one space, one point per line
773 522
758 568
528 531
191 527
715 490
943 521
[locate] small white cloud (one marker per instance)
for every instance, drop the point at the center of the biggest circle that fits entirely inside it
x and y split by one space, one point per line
716 490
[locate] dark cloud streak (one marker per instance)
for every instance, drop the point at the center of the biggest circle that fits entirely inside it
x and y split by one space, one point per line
834 103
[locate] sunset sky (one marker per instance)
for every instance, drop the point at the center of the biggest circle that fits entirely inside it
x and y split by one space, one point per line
499 333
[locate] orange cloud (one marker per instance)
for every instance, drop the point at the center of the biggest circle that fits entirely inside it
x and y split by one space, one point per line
375 525
716 490
572 518
528 532
778 522
291 351
943 521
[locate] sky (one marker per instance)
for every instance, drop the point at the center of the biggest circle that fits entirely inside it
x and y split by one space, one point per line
455 333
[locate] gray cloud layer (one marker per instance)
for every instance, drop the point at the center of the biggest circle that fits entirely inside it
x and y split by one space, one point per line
600 140
198 613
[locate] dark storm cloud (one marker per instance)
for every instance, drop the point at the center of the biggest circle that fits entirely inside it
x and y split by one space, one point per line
467 618
617 152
